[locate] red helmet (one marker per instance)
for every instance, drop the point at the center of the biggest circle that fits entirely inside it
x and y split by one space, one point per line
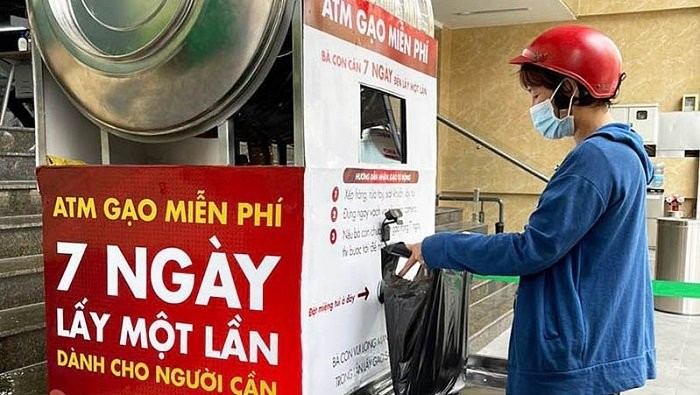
580 52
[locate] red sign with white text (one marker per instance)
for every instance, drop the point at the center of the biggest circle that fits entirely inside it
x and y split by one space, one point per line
379 176
370 26
172 280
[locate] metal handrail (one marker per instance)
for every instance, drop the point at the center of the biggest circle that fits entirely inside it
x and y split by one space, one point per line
464 132
6 98
468 197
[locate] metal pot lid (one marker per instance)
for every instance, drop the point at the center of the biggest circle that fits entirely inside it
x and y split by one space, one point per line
159 70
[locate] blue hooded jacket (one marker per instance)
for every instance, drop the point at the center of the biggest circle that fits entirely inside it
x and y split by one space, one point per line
583 319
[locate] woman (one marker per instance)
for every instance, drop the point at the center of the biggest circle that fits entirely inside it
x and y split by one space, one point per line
583 319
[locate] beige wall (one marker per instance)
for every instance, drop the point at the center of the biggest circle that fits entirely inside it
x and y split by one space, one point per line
602 7
681 177
479 90
572 4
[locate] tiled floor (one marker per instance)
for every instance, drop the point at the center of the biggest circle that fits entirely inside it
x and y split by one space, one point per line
677 355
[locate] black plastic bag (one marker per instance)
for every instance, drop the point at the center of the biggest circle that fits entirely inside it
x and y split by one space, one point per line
426 325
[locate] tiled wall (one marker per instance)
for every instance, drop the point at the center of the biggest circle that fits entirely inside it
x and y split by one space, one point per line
480 91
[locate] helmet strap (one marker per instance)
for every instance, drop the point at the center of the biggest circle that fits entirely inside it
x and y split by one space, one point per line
619 82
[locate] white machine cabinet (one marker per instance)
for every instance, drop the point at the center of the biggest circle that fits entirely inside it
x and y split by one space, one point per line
644 119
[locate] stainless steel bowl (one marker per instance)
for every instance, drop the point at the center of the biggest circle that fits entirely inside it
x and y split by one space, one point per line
159 70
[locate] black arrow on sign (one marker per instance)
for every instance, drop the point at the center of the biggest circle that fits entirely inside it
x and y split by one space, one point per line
364 294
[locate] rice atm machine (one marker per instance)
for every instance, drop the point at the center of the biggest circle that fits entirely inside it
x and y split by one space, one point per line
221 171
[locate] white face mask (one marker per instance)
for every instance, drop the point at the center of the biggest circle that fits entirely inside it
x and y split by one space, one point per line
549 126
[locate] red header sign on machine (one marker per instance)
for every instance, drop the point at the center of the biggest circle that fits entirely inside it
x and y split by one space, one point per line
165 280
372 27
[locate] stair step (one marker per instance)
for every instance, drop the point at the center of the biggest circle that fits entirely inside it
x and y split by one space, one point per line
463 226
17 166
489 333
29 380
20 235
483 288
22 337
16 139
19 198
446 215
487 311
21 281
491 307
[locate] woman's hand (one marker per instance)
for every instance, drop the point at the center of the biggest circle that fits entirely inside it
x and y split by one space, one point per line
416 257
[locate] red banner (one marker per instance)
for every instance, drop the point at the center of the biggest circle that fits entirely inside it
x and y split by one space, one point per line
172 280
370 26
